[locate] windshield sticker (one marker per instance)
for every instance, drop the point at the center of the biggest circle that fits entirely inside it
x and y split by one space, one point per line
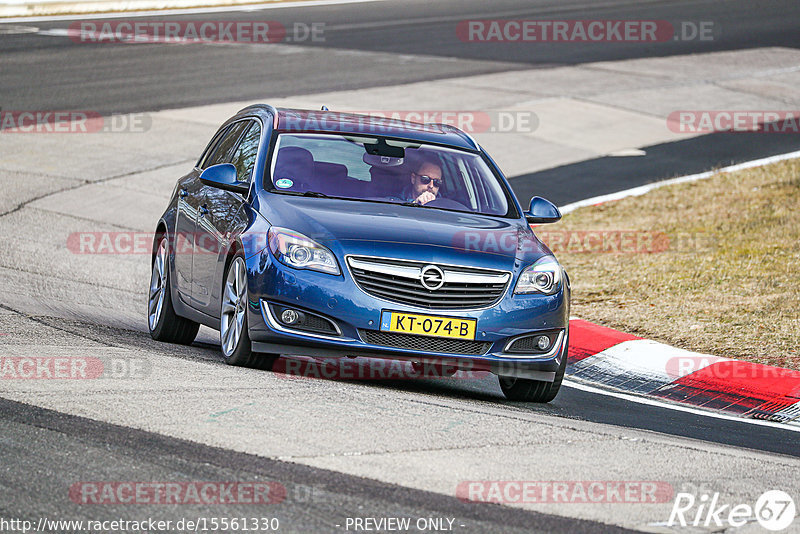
284 183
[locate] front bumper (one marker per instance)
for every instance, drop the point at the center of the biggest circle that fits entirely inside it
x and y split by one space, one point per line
354 312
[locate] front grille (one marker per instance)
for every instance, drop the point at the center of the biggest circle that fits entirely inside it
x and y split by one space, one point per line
424 343
399 281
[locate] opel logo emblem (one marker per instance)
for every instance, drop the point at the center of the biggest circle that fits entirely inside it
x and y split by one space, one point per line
432 277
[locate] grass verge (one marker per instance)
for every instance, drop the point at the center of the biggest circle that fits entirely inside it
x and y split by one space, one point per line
711 266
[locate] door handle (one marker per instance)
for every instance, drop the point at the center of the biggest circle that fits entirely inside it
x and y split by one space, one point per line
203 211
184 193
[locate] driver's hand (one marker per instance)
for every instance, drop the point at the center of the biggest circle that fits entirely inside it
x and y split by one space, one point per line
425 197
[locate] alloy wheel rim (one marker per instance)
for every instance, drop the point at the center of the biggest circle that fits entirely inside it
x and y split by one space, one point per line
158 284
234 301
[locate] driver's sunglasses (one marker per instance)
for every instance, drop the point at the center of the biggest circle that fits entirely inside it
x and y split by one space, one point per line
425 180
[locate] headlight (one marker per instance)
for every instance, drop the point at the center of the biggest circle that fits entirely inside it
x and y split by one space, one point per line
544 276
298 251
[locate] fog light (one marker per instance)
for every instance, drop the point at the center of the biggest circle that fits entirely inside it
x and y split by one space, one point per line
543 342
290 316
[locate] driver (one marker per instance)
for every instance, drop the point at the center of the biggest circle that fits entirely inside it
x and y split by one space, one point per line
425 183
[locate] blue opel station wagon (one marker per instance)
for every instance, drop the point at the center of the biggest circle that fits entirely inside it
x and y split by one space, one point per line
331 235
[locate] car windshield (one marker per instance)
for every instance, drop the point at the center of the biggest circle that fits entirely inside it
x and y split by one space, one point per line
386 170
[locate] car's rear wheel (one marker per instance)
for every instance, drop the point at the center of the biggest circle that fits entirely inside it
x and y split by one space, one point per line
528 390
166 325
233 332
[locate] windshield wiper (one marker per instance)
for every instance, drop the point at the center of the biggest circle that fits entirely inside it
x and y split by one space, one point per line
413 205
299 194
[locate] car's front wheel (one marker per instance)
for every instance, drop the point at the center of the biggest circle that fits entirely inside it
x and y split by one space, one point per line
528 390
233 333
165 324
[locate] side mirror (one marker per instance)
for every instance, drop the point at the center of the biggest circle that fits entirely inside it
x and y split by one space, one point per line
542 211
223 176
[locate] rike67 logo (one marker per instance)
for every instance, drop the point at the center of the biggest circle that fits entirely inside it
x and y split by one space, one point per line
774 510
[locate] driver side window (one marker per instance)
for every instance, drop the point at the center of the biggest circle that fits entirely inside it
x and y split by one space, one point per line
205 159
224 147
244 157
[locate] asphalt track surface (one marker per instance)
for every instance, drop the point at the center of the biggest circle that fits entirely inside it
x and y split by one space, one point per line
317 498
609 174
44 450
365 45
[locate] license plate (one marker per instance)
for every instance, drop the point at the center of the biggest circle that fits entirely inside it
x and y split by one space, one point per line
428 325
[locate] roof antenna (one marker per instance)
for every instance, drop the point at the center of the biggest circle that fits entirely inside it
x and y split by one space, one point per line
325 108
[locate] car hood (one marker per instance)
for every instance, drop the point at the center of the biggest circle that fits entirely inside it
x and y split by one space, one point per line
396 231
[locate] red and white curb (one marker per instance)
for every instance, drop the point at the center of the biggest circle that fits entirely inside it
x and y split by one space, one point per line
601 355
630 364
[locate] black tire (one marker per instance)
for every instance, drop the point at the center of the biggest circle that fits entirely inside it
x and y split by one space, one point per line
166 325
527 390
242 354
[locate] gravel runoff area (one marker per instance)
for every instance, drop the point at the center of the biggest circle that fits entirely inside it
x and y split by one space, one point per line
711 266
